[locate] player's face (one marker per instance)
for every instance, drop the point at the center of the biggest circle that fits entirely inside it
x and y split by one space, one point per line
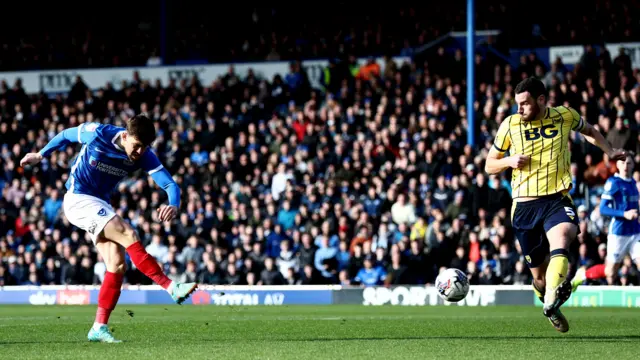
133 147
528 107
625 167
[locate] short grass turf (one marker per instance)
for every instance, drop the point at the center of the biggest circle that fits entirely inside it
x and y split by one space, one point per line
319 332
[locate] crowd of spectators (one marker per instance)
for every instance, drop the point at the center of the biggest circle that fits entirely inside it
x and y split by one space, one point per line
164 32
369 183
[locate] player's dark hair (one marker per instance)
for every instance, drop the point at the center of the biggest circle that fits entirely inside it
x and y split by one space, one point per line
534 86
142 128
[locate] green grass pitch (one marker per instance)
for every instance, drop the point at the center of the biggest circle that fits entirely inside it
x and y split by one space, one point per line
319 332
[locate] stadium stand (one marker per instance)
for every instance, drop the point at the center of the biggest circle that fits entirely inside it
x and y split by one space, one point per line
370 182
267 33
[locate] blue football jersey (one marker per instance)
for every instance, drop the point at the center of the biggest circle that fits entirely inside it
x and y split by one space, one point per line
619 196
102 163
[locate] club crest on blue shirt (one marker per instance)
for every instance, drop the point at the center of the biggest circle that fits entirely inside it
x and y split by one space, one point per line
607 186
93 161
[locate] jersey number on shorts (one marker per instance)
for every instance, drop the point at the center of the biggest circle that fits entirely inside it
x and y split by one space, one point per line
547 132
570 213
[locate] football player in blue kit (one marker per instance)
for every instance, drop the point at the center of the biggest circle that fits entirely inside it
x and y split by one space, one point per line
619 202
109 154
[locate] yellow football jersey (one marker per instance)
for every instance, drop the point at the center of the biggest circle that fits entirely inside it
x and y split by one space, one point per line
545 142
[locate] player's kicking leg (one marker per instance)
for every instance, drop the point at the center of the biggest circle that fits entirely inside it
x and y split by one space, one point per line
528 222
119 231
113 236
557 319
113 255
558 287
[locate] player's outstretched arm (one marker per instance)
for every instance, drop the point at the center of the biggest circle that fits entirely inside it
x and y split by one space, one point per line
151 164
165 181
81 134
31 159
594 137
62 139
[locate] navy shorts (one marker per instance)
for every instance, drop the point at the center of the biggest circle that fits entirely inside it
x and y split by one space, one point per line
532 219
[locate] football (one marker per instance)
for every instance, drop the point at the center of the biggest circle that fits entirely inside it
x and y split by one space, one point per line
452 285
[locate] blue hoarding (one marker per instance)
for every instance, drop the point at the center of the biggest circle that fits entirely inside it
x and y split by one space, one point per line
271 296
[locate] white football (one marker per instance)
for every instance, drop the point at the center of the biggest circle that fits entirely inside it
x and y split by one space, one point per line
452 285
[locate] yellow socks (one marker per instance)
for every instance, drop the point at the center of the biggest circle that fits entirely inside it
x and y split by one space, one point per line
557 269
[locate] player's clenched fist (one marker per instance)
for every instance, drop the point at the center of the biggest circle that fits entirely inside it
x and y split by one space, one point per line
631 214
518 161
167 212
31 159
